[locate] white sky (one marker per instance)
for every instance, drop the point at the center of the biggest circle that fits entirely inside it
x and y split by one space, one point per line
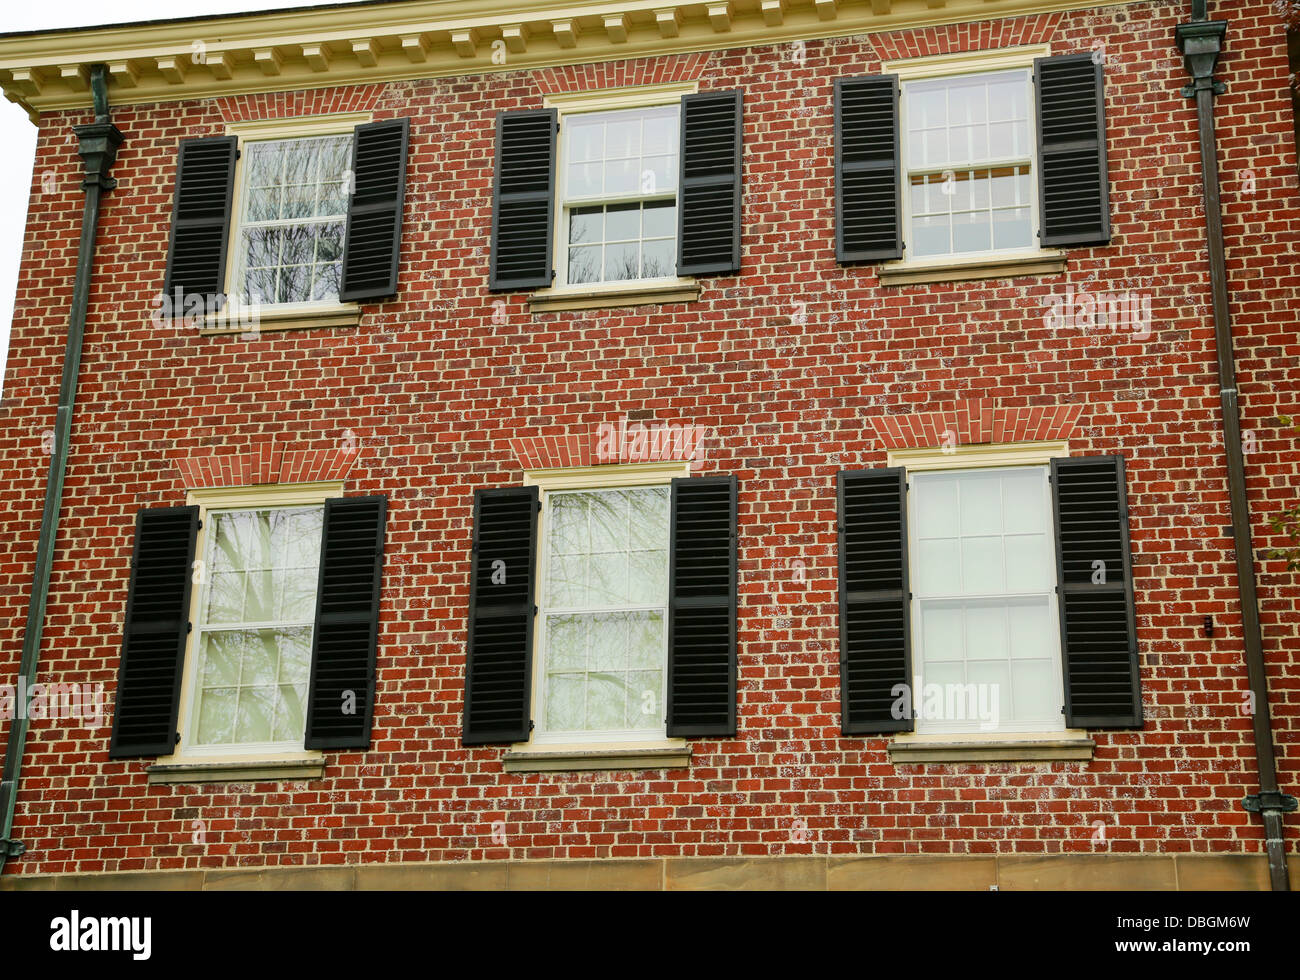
18 135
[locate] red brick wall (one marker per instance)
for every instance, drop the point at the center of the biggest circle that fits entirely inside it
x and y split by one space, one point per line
792 364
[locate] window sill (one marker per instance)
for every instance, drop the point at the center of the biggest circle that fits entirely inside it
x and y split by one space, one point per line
244 771
288 318
915 272
1067 746
595 297
670 754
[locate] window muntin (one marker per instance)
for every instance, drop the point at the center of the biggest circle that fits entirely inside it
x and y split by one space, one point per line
969 160
984 606
604 615
619 190
292 220
254 629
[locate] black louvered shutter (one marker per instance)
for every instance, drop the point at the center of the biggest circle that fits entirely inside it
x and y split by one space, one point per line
875 625
499 660
374 231
1095 587
702 608
708 212
523 201
1073 184
154 633
341 692
868 186
196 256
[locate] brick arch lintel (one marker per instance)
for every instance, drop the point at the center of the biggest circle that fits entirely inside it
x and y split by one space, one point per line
975 422
270 461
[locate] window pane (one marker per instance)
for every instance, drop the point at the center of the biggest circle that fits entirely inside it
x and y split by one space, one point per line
609 636
584 264
660 220
255 714
1011 229
622 177
622 262
933 236
657 259
606 702
584 180
566 643
585 225
623 223
643 695
221 653
565 695
217 715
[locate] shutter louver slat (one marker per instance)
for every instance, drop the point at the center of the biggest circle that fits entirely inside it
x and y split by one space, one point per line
875 625
1073 182
345 637
196 255
868 186
498 670
1098 628
154 633
373 237
702 608
708 213
523 202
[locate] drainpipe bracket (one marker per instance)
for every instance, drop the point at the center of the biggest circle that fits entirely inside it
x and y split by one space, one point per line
1281 802
13 848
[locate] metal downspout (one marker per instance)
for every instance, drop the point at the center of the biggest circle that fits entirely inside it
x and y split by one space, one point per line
97 144
1200 42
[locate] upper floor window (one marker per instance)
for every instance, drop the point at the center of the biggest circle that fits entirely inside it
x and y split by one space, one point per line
619 195
984 604
254 630
604 614
289 238
969 160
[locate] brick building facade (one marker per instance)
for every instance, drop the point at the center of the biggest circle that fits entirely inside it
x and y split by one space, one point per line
981 366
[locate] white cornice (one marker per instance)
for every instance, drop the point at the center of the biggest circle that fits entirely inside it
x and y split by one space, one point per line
362 43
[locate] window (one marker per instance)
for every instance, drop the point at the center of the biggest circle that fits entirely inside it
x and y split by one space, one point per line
619 195
289 239
984 605
604 614
970 186
253 631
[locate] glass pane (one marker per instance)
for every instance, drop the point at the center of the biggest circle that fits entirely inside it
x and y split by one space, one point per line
584 264
255 714
609 636
1034 691
981 565
622 262
221 655
608 515
981 503
1029 629
1011 229
995 677
260 285
325 284
623 136
259 596
296 592
932 236
647 642
329 242
216 715
986 632
566 581
657 259
294 647
227 543
565 696
941 631
584 180
1027 565
261 658
622 177
263 204
606 701
658 174
585 225
1023 504
936 506
623 223
566 643
660 220
568 518
608 585
648 577
290 713
659 134
225 598
971 232
939 570
643 696
649 518
292 286
585 137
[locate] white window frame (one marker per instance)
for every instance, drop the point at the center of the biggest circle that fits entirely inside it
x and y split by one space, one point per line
947 66
606 477
981 457
266 131
606 100
285 496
